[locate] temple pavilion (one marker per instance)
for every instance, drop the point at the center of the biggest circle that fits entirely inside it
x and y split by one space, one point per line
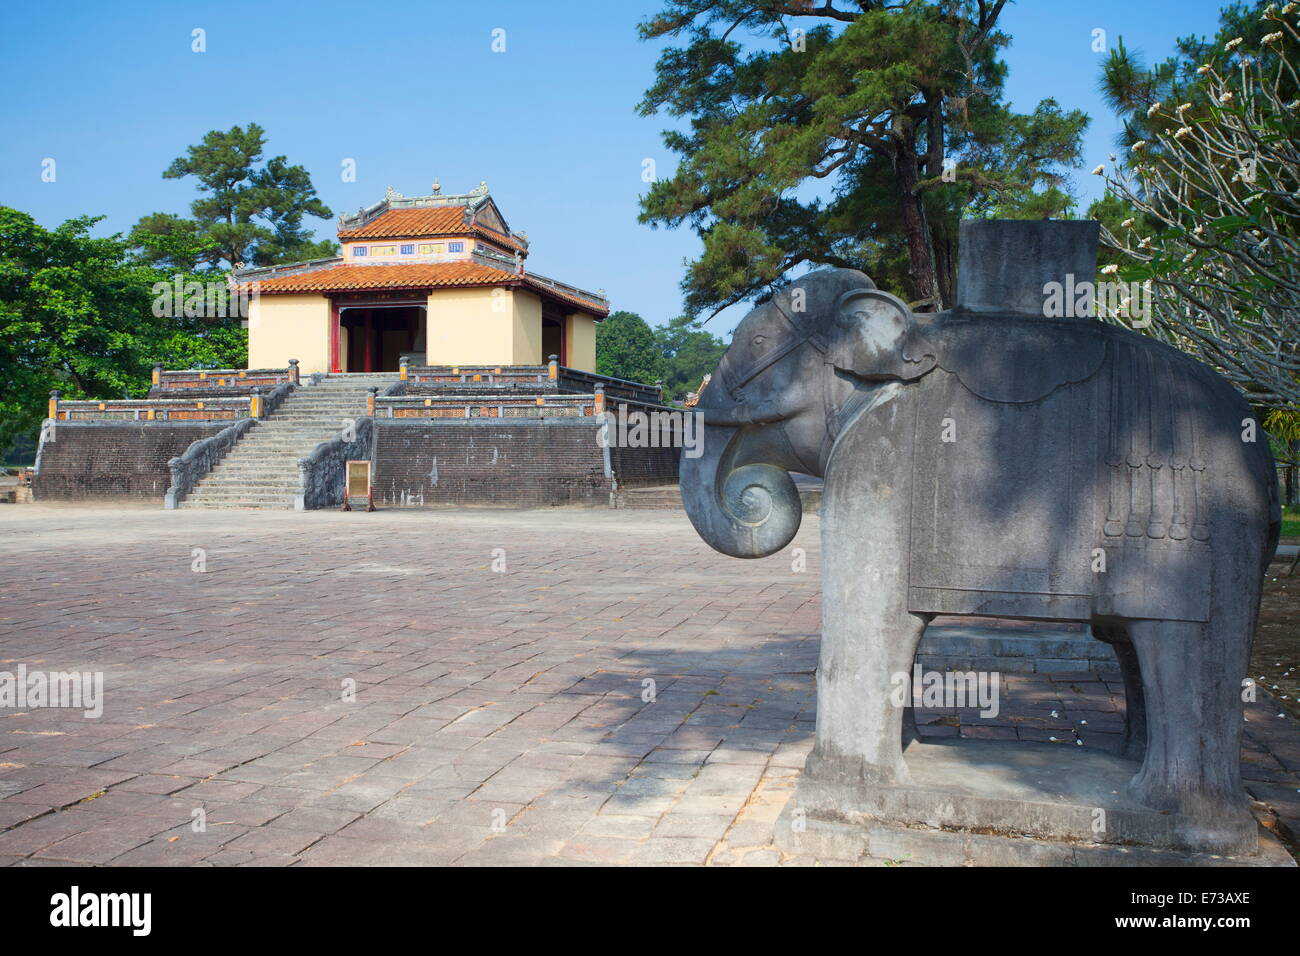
437 279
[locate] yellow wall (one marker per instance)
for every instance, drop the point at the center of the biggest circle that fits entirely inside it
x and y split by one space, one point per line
484 327
528 329
282 327
465 327
580 333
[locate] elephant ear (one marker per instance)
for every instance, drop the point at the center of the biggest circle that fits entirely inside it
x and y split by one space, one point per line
1016 360
875 337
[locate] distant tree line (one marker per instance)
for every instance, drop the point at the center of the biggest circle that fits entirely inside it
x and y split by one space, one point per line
678 354
78 313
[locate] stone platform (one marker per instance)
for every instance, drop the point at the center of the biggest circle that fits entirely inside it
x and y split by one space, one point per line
1008 803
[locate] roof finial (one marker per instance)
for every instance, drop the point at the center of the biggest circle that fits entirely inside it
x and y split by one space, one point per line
437 187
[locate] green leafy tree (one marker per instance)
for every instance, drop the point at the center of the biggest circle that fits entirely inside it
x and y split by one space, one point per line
625 348
892 113
689 352
77 314
1214 199
248 214
1131 88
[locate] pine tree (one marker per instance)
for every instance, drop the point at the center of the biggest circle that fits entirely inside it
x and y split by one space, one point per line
892 111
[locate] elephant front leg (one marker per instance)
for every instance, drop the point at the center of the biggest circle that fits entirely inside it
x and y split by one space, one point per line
869 637
864 685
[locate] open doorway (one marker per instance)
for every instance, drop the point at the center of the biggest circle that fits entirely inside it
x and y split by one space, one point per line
373 338
553 338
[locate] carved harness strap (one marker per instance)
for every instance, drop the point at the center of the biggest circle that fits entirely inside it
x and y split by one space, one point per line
735 381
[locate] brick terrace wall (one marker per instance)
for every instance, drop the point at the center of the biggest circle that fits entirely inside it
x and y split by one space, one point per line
89 460
525 463
644 466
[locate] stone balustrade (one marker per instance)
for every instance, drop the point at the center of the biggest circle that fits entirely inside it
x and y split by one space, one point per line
216 378
152 409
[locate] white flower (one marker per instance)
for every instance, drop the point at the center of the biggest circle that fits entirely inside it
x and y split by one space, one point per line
1153 108
1189 257
1127 223
1199 231
1145 243
1183 131
1226 98
1099 170
1109 270
1290 8
1233 44
1203 69
1273 37
1139 146
1182 108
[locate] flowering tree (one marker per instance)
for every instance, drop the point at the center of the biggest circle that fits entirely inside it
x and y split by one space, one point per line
1214 201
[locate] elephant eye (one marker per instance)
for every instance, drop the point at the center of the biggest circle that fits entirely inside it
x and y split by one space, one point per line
760 339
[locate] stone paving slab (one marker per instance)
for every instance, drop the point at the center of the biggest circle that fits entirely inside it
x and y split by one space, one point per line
559 687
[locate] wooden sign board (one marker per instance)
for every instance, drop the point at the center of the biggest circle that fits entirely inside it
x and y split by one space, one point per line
358 479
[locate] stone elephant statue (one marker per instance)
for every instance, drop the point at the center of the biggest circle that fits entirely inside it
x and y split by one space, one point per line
1001 466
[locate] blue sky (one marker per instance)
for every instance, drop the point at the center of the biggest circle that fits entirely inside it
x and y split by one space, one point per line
412 91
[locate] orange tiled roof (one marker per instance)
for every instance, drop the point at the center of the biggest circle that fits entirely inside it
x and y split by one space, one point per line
572 298
423 222
437 275
414 275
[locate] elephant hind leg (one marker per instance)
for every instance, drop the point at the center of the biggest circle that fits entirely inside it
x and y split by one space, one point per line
1191 677
1135 706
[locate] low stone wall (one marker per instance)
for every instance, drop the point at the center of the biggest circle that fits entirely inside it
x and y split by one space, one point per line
521 463
80 460
1039 649
635 467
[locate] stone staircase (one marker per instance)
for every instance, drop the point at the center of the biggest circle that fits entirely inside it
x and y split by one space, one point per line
261 471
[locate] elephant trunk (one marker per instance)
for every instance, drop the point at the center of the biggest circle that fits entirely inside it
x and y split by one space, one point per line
762 413
746 510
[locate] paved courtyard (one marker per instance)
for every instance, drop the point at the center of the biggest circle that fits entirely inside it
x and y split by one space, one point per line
428 688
